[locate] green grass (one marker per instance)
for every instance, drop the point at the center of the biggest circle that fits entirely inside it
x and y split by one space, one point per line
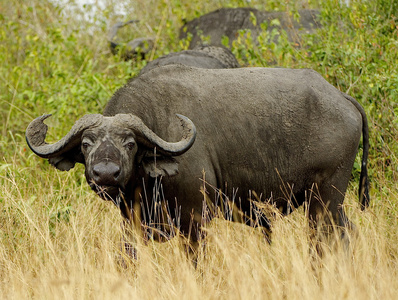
59 240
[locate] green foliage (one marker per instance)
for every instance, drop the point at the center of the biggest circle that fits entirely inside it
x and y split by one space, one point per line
52 61
357 55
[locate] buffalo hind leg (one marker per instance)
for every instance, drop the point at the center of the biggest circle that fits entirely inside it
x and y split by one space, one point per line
327 217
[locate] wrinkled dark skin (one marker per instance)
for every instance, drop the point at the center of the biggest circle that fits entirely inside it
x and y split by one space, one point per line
286 134
106 149
206 57
251 122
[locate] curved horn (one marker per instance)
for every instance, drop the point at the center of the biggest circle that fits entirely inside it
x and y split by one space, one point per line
150 139
113 32
37 130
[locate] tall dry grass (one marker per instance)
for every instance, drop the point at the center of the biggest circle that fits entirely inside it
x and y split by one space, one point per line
77 254
60 241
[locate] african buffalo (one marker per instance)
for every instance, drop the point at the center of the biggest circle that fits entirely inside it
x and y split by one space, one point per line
138 46
207 57
228 21
202 56
285 134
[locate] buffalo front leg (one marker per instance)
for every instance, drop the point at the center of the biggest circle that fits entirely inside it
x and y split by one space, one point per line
133 232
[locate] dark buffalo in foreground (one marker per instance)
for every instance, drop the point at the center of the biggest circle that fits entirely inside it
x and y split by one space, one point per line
207 57
228 21
285 134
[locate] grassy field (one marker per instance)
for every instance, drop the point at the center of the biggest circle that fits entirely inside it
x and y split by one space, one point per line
58 240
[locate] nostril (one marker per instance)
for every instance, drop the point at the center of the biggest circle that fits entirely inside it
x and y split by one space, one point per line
106 172
115 171
97 171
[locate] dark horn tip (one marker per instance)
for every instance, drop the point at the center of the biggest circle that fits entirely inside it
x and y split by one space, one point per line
183 117
36 132
37 125
188 123
45 116
186 119
41 118
189 132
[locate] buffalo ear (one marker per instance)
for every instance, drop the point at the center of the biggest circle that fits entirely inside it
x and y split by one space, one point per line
161 166
67 160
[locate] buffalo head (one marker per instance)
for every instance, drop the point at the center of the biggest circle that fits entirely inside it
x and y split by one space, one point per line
113 149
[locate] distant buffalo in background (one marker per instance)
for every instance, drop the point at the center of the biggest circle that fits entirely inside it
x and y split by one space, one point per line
202 56
138 46
205 57
228 21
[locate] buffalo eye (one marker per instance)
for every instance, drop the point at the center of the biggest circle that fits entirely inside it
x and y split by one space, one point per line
130 145
86 144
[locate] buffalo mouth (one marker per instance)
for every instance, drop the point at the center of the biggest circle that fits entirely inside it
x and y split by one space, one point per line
107 192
